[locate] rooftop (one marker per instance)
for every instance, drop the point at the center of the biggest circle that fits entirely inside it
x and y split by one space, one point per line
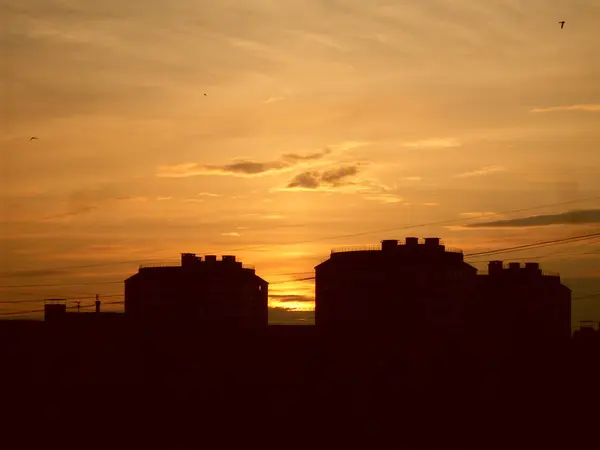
395 245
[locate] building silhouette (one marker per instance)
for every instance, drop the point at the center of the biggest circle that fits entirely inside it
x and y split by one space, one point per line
421 295
56 311
197 293
410 285
523 303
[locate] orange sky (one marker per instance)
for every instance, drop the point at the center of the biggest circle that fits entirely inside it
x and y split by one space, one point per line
320 119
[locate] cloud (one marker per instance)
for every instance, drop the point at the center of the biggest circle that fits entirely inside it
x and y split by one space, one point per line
207 194
294 157
233 233
567 218
263 216
139 198
412 178
273 100
480 172
33 273
163 198
433 143
328 178
282 316
83 201
243 168
476 214
292 302
383 198
582 108
291 298
431 204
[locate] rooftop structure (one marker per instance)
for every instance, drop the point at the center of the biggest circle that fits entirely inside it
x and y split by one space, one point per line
208 291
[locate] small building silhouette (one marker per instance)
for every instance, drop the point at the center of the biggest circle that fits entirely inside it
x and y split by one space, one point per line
198 293
524 302
57 311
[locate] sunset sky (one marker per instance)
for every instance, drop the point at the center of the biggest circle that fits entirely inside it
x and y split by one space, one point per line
322 118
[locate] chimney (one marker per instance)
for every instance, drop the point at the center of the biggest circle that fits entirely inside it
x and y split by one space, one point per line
389 245
54 308
412 241
432 242
533 268
189 259
494 267
97 304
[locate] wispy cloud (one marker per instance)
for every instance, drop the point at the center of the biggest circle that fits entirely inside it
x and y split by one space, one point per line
567 218
476 214
242 168
326 179
264 216
273 99
582 108
33 273
292 302
433 143
207 194
481 172
383 198
431 204
83 201
232 233
412 178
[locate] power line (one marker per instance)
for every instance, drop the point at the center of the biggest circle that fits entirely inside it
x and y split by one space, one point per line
260 247
33 311
557 255
537 245
94 283
489 252
38 300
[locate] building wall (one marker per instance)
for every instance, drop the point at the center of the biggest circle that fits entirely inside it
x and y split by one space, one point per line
383 294
192 297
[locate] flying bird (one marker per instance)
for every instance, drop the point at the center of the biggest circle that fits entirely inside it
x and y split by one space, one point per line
562 24
32 138
204 94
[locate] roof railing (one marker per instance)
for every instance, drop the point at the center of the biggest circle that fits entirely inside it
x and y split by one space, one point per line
178 264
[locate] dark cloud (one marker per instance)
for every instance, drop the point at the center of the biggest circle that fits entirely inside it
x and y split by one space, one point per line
328 178
86 200
567 218
292 298
309 157
241 167
249 167
310 180
335 176
282 316
33 273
